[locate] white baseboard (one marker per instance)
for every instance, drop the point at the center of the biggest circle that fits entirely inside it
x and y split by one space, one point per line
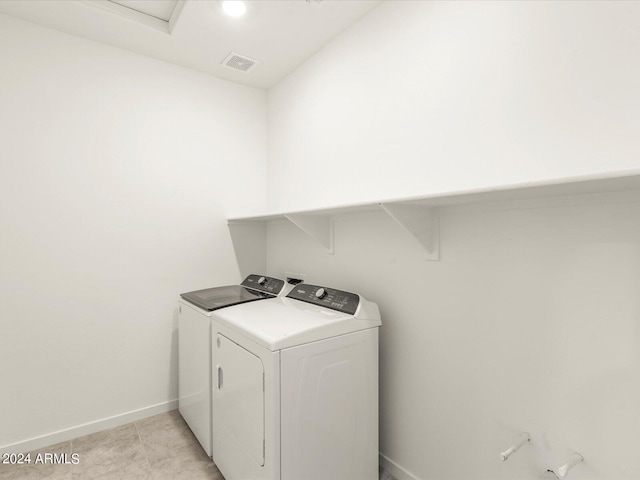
396 470
87 428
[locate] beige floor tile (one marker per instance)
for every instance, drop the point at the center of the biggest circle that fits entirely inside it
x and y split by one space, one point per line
122 434
138 470
35 472
186 463
192 452
384 475
63 447
112 455
164 434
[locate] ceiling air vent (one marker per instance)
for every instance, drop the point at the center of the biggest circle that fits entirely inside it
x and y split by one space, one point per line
239 62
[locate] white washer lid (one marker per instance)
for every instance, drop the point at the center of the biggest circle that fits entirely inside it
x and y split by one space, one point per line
281 322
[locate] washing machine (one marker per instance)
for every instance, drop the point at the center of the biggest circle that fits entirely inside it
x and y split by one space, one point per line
194 345
295 387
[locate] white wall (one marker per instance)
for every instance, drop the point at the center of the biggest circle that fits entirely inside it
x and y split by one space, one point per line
422 97
529 322
116 175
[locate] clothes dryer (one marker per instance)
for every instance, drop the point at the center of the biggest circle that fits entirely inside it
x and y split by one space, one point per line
295 387
194 345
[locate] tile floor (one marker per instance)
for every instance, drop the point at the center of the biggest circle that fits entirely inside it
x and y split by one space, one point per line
155 448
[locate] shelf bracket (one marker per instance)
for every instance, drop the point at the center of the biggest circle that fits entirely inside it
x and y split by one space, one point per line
318 227
421 222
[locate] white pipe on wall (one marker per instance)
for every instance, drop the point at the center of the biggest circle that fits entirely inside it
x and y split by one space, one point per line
524 438
573 460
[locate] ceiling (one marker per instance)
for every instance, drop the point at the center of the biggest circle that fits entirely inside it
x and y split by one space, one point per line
278 34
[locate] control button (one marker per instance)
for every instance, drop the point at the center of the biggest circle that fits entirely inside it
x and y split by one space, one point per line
262 281
321 293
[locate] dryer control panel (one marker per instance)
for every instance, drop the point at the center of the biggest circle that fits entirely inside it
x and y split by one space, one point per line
339 300
264 284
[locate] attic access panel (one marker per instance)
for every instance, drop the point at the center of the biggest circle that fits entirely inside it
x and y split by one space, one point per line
160 9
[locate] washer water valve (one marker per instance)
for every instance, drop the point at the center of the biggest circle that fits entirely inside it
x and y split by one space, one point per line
572 461
524 438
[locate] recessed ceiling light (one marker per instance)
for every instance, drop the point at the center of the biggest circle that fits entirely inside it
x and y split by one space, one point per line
234 8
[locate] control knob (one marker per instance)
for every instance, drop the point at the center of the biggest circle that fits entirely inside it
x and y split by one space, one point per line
321 293
262 281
